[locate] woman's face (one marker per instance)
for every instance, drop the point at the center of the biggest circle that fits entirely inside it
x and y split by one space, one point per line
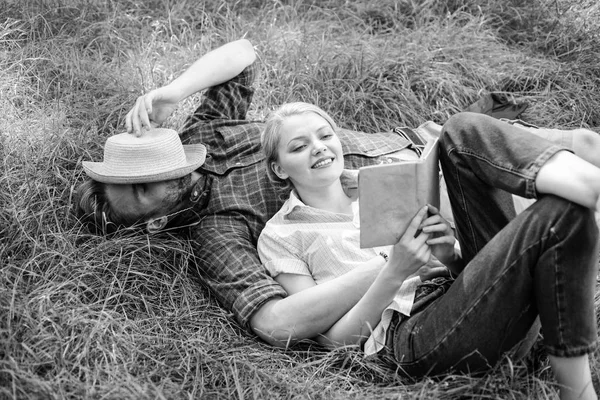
309 152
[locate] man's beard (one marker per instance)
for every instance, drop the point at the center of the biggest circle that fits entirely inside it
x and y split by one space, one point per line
180 210
177 191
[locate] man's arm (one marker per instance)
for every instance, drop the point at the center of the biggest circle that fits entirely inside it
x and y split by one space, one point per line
228 262
213 68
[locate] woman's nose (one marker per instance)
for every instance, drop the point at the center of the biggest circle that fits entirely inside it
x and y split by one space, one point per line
319 148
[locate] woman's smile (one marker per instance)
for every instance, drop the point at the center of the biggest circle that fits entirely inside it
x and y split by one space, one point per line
324 162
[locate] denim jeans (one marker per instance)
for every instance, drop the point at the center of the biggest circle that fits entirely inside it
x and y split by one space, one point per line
541 262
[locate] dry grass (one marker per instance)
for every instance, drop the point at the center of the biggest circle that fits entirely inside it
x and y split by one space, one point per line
89 317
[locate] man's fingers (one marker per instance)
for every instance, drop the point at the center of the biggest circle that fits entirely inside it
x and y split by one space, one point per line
142 112
137 116
128 125
135 121
148 99
146 110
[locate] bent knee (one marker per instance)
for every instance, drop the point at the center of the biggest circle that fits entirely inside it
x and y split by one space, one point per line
463 121
586 145
577 215
459 127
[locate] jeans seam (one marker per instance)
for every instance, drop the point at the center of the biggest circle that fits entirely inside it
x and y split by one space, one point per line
561 351
540 160
488 161
559 290
462 195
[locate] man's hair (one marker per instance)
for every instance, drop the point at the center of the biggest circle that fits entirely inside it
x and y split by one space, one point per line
95 211
271 134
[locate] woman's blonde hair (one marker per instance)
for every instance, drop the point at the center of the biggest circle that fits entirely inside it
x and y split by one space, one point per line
271 135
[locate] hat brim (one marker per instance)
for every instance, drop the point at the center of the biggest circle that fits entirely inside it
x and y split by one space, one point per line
195 155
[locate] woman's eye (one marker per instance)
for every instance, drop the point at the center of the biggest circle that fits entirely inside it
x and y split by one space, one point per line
298 148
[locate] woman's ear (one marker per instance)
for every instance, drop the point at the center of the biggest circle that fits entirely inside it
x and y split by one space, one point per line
156 224
276 168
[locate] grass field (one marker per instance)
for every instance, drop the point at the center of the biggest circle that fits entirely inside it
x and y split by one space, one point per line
85 317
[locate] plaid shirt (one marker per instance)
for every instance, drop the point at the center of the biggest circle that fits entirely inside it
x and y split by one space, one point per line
242 199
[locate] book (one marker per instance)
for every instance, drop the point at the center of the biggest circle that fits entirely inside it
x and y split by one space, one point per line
390 195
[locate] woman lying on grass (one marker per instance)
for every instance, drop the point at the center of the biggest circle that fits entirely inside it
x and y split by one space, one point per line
512 268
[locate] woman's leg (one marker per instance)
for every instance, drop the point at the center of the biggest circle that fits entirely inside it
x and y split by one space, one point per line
574 376
544 261
484 159
585 144
568 176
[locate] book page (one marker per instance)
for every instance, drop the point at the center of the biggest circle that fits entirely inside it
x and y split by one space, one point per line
390 195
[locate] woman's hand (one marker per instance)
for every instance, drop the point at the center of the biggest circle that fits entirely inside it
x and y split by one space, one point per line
412 251
151 110
441 236
433 269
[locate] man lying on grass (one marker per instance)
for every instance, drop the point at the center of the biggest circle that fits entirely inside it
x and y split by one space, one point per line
216 185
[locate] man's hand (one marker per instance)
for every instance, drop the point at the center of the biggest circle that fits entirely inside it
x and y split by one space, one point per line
213 68
151 110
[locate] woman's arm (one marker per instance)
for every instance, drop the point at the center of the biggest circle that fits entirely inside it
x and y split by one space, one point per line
355 314
357 324
306 313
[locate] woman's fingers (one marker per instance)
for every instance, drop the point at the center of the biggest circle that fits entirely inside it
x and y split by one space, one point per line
440 228
135 118
433 210
415 224
433 241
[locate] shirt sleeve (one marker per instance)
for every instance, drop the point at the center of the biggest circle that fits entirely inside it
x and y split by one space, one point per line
278 255
228 264
227 101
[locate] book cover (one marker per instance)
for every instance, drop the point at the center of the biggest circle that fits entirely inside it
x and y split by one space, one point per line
390 195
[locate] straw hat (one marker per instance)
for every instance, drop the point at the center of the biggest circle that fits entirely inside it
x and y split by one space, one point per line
156 155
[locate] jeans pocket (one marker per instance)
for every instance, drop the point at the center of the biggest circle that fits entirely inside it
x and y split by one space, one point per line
429 291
